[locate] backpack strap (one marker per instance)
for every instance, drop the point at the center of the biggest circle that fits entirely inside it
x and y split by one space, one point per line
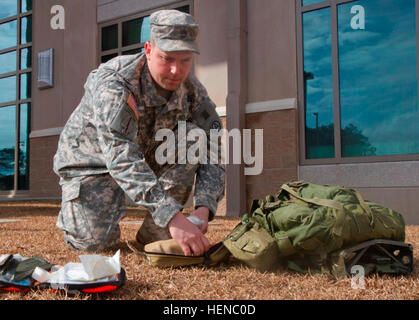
364 206
319 202
340 219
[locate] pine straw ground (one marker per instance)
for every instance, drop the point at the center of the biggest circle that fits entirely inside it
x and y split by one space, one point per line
37 235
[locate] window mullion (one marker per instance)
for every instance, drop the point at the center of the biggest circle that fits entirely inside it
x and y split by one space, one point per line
7 50
133 46
28 13
17 108
343 1
23 71
17 151
17 102
26 45
335 75
119 38
108 52
9 19
301 85
7 75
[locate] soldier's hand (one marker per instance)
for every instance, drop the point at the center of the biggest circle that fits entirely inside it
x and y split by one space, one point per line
202 213
188 236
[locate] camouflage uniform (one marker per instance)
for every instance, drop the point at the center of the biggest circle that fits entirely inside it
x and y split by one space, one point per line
107 149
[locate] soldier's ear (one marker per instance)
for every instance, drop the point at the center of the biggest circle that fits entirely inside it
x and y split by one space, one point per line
147 49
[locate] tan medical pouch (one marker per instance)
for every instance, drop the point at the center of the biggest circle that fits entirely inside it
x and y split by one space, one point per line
168 254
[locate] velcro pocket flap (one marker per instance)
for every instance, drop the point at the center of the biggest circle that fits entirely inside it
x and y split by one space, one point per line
71 190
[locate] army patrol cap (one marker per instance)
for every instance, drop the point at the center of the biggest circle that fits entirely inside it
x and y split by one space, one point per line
172 30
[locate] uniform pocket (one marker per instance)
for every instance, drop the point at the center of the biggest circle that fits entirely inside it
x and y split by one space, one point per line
71 191
72 218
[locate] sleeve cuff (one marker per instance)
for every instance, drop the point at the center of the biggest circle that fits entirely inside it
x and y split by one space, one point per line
209 203
166 211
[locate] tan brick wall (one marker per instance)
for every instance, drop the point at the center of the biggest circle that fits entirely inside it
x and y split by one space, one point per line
280 152
222 205
42 179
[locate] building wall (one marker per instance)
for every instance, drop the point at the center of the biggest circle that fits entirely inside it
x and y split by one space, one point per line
280 149
43 182
211 64
272 70
113 9
75 50
272 53
271 102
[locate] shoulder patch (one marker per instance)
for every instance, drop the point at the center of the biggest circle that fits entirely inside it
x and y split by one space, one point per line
125 121
131 103
206 117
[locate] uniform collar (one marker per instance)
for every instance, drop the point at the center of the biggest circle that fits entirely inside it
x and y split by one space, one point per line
129 69
152 99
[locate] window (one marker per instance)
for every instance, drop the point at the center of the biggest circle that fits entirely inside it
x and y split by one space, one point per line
358 80
15 92
128 36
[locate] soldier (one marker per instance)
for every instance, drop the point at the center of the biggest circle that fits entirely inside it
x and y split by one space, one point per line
107 148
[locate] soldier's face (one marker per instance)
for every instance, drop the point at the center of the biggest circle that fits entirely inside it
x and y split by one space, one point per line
168 69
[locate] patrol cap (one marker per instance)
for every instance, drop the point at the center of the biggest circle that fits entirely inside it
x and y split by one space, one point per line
173 30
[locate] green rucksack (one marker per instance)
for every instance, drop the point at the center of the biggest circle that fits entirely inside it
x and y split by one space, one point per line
311 225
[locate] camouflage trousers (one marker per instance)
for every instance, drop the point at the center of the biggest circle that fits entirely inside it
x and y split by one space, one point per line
93 205
90 212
